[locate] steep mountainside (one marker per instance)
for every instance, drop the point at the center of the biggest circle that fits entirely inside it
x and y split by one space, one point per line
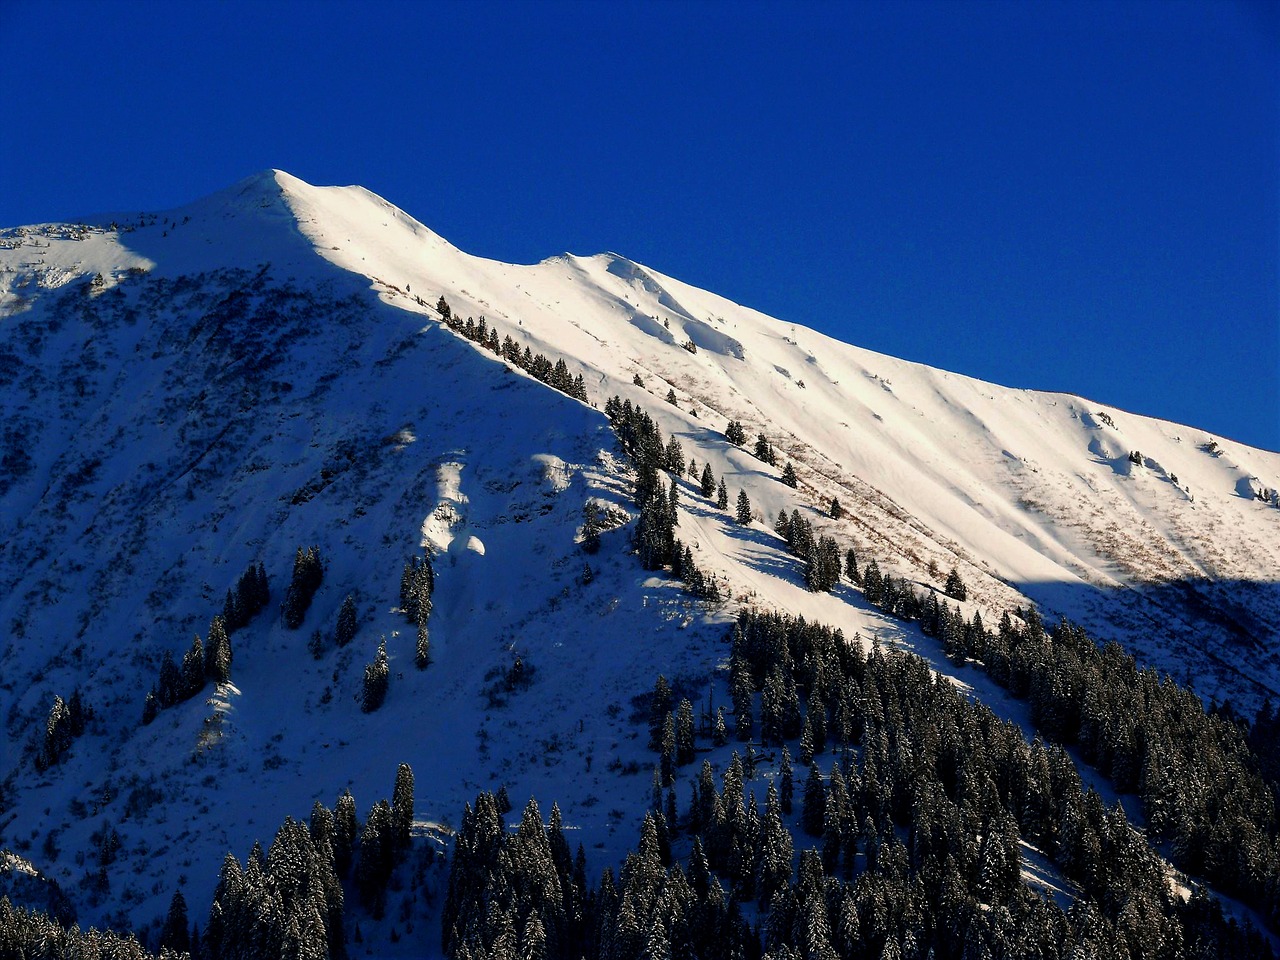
190 393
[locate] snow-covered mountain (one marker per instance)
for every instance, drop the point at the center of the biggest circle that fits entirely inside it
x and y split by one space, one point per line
189 393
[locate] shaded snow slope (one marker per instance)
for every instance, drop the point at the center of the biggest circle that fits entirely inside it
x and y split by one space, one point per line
264 370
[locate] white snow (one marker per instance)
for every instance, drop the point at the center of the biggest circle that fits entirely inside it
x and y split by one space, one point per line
384 434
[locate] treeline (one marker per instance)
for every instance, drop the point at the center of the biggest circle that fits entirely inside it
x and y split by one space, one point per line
521 894
1200 785
288 901
31 935
536 365
516 894
916 842
947 790
1203 789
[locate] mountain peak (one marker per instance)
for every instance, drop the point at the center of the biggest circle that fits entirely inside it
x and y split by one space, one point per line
275 217
269 189
272 177
272 184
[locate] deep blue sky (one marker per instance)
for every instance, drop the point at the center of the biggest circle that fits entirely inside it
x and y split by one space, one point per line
1072 197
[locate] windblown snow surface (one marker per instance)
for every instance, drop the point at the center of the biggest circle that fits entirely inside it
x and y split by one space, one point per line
265 369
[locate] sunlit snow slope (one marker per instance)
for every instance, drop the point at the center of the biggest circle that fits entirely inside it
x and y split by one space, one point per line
1020 489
